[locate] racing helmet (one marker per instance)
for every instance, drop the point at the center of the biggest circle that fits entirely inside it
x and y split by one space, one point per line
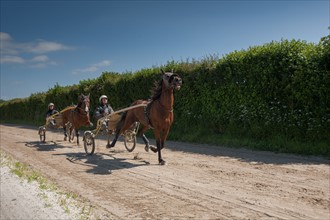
102 97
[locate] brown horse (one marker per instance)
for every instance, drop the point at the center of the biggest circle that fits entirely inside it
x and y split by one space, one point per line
79 116
158 113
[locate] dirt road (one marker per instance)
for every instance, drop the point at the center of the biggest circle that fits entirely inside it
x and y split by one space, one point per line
199 182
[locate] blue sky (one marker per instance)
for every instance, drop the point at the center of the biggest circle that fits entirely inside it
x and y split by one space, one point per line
44 43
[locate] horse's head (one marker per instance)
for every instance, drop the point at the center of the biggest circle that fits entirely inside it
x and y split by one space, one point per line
172 80
84 103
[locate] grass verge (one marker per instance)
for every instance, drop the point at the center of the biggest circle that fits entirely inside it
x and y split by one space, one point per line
69 201
276 144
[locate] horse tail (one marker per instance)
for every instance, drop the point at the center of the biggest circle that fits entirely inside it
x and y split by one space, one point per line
121 123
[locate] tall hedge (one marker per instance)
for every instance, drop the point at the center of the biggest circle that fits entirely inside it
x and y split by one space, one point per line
276 89
280 88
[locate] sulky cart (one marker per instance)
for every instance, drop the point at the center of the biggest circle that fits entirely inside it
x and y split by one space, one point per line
55 122
107 126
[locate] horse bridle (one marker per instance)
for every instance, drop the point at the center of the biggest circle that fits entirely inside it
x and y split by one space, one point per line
86 110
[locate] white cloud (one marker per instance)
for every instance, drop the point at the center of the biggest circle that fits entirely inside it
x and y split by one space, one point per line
41 61
43 65
103 63
93 68
11 51
6 45
39 65
41 58
45 47
11 59
5 36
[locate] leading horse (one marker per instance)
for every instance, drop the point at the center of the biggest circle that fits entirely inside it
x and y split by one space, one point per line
79 116
157 114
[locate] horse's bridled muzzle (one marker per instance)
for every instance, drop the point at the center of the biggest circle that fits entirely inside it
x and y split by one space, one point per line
178 84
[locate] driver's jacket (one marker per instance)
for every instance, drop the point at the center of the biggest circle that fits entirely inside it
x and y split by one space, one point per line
102 110
51 112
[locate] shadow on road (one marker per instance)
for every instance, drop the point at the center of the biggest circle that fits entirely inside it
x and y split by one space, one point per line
43 146
100 163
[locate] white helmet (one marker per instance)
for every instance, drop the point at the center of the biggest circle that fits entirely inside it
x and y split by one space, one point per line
102 97
50 104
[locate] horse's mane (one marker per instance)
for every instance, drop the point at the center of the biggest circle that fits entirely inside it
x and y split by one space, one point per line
157 90
80 99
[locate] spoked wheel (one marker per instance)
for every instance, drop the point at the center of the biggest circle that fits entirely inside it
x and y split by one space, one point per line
130 140
42 134
89 142
130 137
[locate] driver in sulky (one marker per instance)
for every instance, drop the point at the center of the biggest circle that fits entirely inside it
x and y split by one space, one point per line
103 109
51 111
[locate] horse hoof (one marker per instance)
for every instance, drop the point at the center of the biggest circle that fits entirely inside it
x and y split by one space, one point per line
65 139
146 148
154 149
110 145
162 162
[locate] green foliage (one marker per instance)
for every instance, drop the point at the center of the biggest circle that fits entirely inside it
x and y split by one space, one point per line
270 97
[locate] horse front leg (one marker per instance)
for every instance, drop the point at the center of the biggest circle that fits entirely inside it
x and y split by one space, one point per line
108 142
109 138
159 148
160 145
65 132
77 135
69 130
164 137
145 140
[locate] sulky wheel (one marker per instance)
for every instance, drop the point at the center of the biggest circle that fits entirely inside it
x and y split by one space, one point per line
130 140
42 134
89 142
